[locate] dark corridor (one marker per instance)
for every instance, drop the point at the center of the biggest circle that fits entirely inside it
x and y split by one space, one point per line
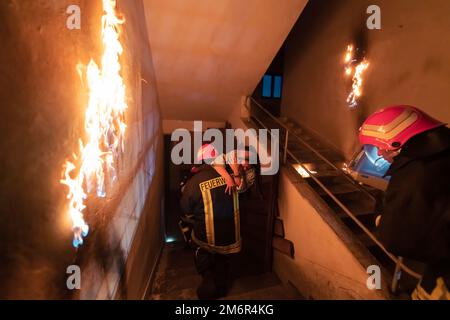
253 263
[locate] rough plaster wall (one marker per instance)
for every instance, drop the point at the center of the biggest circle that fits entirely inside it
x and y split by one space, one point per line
42 101
408 64
208 54
323 266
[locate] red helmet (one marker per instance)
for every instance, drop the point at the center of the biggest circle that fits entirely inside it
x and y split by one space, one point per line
206 151
390 128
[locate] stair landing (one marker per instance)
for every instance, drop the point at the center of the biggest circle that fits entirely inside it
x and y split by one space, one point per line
176 279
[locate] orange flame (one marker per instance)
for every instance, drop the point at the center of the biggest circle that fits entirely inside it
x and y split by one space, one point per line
356 73
104 125
349 54
357 83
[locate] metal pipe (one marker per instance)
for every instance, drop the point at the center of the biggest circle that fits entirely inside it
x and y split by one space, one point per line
397 274
285 147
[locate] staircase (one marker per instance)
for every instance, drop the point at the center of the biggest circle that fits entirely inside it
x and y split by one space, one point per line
176 279
361 200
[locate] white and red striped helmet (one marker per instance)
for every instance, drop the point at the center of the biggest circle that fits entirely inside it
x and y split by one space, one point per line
390 128
206 152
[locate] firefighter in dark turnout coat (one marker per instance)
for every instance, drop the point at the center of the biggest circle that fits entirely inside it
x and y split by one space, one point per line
216 232
415 218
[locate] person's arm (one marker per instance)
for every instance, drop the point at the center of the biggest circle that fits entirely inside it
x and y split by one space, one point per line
237 176
410 218
228 179
232 161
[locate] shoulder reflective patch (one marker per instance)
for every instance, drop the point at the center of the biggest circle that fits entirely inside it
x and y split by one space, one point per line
211 184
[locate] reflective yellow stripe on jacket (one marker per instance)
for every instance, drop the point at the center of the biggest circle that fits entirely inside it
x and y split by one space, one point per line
440 292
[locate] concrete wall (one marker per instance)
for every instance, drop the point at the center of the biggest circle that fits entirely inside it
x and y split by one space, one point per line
169 126
42 112
328 262
408 64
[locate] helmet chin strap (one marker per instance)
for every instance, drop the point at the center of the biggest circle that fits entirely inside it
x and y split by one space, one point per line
389 155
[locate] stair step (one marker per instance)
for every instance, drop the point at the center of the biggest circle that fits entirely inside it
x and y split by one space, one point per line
277 292
367 220
164 283
321 165
301 135
365 240
183 294
295 145
329 179
293 291
252 283
339 190
325 173
357 198
356 209
188 269
308 156
258 287
357 202
336 189
176 256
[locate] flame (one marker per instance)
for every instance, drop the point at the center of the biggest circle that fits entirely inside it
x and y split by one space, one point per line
349 54
357 83
104 126
357 73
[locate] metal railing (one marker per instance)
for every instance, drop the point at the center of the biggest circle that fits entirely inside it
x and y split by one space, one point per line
399 265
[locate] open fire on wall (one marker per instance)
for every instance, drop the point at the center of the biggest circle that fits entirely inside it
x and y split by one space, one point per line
355 69
104 126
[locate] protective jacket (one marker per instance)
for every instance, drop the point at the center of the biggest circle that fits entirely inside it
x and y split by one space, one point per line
216 213
415 221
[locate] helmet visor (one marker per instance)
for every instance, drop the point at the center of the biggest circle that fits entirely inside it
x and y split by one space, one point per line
378 162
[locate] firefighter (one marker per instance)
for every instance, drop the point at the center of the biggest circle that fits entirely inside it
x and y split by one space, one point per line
216 231
415 215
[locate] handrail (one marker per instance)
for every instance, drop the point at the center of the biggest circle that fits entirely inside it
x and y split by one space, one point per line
398 261
317 153
356 220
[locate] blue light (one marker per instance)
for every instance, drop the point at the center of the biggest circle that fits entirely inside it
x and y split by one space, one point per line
77 242
371 163
378 161
79 234
277 86
170 239
267 86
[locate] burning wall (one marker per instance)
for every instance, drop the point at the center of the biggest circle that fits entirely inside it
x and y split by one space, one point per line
43 103
408 64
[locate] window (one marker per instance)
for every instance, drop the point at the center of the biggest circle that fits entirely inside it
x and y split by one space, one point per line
272 86
267 86
277 86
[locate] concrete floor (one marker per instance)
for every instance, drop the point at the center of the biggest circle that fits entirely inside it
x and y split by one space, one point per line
176 279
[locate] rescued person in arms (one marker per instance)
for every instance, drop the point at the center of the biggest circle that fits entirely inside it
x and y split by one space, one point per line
210 196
